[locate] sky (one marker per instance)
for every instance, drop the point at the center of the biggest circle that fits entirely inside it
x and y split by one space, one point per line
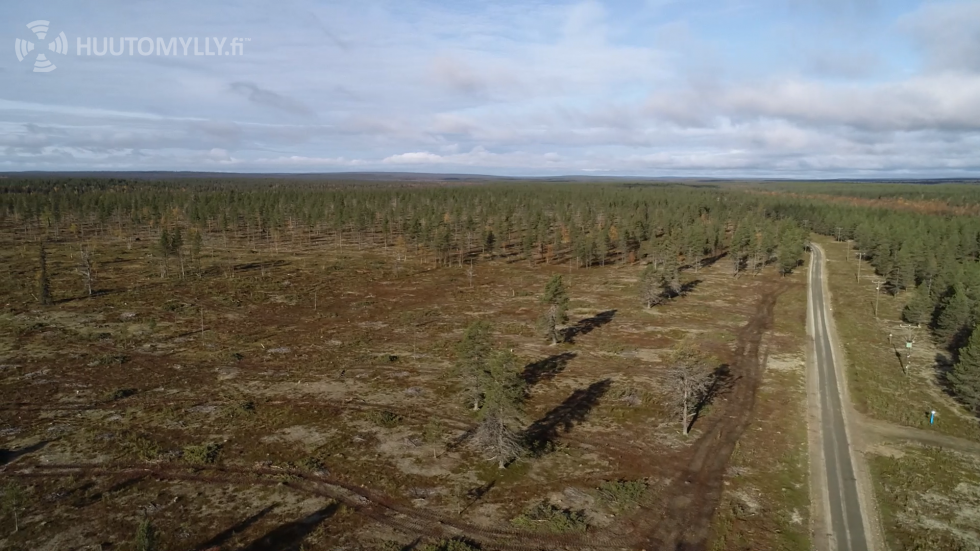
662 88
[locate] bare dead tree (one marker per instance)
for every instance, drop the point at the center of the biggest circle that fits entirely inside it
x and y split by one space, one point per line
689 375
498 439
86 269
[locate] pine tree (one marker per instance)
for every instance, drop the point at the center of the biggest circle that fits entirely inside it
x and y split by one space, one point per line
556 301
670 274
652 290
602 247
13 501
965 376
177 248
527 245
197 242
164 245
790 251
472 356
741 238
43 281
689 375
501 416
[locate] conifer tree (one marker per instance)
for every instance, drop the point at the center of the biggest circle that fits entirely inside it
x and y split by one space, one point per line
918 309
689 375
790 251
737 247
965 376
555 300
472 357
954 316
501 416
146 536
43 281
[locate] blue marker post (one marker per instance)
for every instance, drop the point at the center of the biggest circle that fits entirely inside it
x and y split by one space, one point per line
932 416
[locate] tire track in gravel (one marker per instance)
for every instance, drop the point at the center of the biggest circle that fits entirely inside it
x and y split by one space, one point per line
689 503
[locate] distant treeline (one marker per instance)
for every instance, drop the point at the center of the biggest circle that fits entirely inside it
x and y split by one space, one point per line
935 258
952 193
580 223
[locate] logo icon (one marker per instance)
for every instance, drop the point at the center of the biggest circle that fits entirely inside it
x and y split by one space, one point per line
41 63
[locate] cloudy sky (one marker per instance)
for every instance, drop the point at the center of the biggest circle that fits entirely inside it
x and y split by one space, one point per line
772 88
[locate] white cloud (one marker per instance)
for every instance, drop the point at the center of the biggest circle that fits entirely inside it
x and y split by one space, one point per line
416 157
724 87
949 32
943 101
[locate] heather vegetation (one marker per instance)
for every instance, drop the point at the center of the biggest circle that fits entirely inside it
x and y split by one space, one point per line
544 359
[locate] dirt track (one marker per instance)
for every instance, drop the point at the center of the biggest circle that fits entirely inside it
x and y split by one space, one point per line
691 500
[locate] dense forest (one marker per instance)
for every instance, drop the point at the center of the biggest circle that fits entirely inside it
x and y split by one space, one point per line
585 225
932 258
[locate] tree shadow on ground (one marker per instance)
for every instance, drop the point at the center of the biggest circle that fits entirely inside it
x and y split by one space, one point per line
9 456
722 383
943 366
574 410
706 261
226 534
95 293
461 439
584 327
546 369
474 495
264 265
290 536
686 288
85 501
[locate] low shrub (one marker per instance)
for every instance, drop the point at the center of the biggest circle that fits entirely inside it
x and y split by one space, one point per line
454 544
546 517
204 454
621 494
385 418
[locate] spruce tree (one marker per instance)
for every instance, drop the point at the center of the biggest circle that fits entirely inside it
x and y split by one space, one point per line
146 537
954 317
918 309
965 376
